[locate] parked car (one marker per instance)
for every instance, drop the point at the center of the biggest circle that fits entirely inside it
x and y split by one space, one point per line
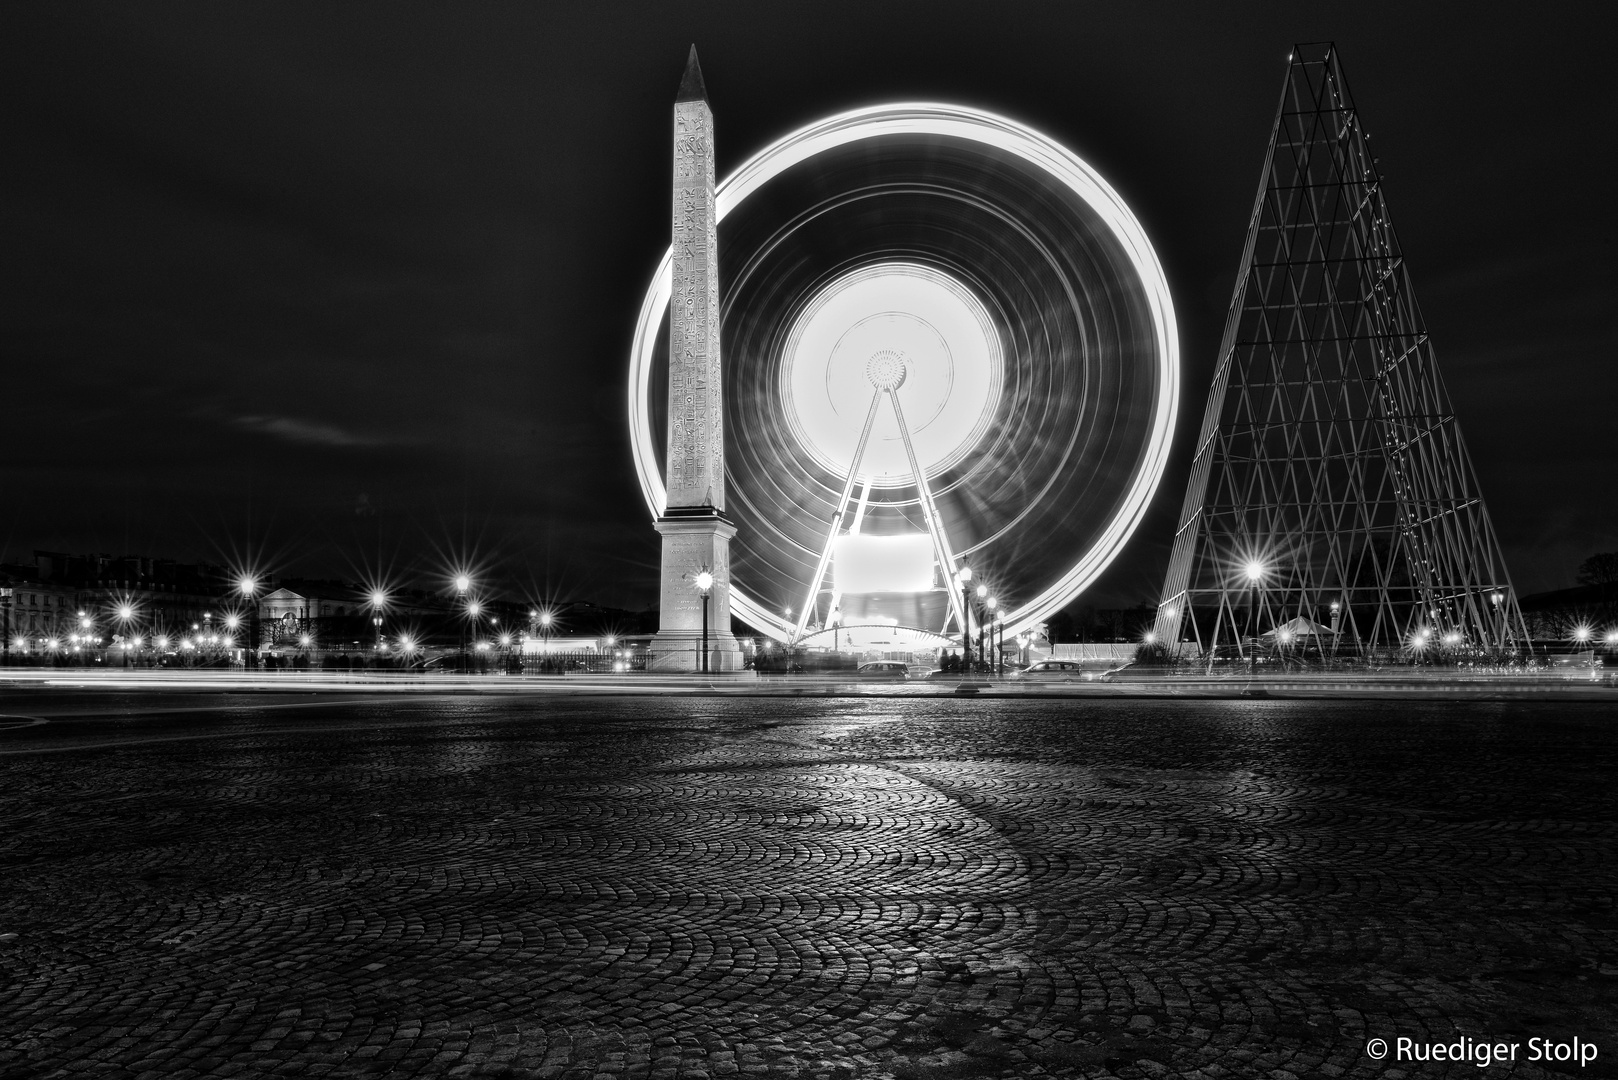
883 669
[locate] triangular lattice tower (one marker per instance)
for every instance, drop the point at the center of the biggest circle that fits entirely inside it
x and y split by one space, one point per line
1330 468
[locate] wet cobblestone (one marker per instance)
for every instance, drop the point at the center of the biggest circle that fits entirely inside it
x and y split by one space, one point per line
692 888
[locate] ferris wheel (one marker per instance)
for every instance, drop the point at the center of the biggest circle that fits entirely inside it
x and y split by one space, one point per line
946 343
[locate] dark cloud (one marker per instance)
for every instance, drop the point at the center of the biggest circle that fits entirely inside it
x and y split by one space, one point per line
309 432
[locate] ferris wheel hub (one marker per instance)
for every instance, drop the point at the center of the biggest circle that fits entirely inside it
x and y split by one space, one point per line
904 328
886 370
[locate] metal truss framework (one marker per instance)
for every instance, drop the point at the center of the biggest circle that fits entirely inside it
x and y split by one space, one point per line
1330 479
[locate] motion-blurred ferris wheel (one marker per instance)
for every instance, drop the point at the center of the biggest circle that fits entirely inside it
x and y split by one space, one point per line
946 341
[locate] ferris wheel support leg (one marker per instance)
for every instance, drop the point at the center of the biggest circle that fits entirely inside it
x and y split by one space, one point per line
809 601
929 511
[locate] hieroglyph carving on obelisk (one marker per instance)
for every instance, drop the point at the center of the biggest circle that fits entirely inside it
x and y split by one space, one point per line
696 534
696 472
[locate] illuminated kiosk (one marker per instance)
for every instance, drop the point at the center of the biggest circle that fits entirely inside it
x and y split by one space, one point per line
947 343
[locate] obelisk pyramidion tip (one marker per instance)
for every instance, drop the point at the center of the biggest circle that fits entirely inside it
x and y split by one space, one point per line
691 88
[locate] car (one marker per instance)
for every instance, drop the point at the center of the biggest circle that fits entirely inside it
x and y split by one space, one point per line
1049 671
883 669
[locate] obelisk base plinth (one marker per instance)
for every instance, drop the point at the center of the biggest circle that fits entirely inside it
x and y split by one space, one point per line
695 540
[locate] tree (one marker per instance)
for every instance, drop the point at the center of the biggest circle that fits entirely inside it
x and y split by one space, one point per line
1599 569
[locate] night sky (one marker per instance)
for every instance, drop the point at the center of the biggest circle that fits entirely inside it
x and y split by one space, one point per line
270 269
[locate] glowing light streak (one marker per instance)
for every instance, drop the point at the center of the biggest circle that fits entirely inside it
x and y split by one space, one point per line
998 133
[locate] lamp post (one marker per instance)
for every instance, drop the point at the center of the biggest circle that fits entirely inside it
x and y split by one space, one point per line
704 582
994 620
965 578
249 587
379 602
983 654
125 614
1255 574
473 610
462 584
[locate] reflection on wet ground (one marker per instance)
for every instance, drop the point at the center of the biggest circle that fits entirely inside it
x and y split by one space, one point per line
240 884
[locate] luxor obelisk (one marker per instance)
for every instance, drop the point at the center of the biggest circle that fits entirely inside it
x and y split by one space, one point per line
696 533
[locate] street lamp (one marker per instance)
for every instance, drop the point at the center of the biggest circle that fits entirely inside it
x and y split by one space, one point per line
704 582
994 624
964 576
983 653
1255 575
250 655
125 613
462 584
379 601
473 610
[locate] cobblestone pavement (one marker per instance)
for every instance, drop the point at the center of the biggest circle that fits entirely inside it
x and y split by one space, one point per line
684 888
